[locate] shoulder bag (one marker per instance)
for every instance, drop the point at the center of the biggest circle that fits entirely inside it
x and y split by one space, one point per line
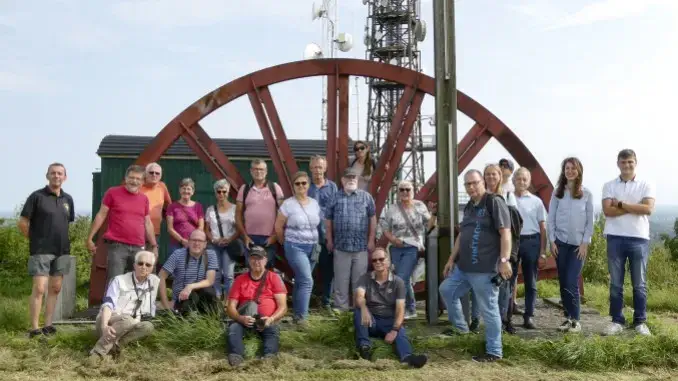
251 307
403 212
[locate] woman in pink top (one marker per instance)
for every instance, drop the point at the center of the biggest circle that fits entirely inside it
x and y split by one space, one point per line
184 216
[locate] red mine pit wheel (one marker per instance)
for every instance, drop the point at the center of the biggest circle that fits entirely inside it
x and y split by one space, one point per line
417 85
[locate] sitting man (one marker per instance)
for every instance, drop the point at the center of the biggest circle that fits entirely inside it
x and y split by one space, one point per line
256 301
193 269
380 302
129 298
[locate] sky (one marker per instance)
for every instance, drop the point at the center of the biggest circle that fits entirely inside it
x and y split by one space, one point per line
576 77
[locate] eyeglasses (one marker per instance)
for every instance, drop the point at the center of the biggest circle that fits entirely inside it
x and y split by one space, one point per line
301 183
404 189
359 148
148 265
154 173
381 260
222 192
471 183
196 240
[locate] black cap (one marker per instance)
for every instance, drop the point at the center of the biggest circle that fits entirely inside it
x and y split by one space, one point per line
350 172
258 251
506 163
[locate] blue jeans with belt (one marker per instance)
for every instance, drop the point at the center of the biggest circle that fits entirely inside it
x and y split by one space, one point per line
404 260
224 277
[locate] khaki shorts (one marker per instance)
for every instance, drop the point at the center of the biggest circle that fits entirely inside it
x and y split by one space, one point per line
49 264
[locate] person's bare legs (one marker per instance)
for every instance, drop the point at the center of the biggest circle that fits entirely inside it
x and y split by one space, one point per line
35 301
53 290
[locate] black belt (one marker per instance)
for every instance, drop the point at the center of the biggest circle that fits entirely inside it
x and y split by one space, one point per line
530 236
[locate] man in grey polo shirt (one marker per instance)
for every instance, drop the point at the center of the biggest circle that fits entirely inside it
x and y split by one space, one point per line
193 269
380 311
482 249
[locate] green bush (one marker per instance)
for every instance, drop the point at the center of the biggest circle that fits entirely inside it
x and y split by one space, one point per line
595 267
671 243
14 250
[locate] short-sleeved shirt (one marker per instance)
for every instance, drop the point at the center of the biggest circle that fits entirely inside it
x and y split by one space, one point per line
324 195
532 211
393 221
381 299
244 289
350 214
260 209
185 218
302 220
127 213
48 216
191 272
158 197
632 191
227 220
479 241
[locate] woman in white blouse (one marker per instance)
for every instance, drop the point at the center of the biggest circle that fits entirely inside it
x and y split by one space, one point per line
222 234
404 224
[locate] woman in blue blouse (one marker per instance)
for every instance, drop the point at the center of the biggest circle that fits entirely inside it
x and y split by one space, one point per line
570 227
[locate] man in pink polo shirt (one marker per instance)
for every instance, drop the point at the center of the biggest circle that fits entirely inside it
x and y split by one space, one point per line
256 210
129 223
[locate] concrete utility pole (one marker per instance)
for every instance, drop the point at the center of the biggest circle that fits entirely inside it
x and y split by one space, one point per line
446 143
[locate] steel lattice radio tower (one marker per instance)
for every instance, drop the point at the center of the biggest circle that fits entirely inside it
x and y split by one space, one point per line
392 34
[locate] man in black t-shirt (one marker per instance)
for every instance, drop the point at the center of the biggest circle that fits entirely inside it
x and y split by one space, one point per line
44 221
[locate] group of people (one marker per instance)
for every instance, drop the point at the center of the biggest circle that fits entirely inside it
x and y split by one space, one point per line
334 227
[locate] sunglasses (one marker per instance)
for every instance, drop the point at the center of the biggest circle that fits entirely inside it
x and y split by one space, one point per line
222 192
154 173
404 189
359 148
301 183
149 265
375 260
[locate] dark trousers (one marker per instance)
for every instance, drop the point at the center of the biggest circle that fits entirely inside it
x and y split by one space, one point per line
380 327
569 269
236 332
528 252
202 301
326 267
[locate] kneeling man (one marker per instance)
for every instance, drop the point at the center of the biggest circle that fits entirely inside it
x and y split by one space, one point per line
257 301
380 302
129 297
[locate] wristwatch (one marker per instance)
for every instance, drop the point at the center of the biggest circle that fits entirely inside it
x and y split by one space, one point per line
619 205
504 260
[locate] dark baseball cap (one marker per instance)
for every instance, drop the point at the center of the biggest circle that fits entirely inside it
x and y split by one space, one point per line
350 172
258 251
506 163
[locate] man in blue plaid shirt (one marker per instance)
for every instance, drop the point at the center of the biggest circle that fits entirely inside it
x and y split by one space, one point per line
351 223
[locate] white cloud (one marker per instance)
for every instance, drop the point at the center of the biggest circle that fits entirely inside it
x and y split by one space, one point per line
606 10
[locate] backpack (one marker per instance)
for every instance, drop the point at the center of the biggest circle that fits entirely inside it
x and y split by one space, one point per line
271 187
516 224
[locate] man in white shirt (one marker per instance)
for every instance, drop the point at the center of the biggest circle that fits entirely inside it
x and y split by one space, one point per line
628 202
130 298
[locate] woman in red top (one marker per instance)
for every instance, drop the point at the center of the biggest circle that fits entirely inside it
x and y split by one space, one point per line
184 216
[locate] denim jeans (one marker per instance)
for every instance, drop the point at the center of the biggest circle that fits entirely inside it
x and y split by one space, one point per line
475 312
405 260
326 265
506 294
637 251
299 258
272 251
569 268
380 327
236 332
224 277
456 285
528 252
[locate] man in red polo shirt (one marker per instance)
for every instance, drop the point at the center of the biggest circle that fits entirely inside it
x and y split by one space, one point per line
129 223
257 301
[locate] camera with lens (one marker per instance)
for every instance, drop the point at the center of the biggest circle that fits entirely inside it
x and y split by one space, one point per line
259 322
498 280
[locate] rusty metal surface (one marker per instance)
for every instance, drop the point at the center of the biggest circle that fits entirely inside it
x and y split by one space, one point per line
338 72
289 163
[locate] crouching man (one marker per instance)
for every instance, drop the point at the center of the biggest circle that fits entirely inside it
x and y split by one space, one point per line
256 302
130 298
193 269
380 302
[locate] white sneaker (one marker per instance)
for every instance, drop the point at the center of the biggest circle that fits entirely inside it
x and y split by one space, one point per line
575 327
642 329
613 329
565 326
410 315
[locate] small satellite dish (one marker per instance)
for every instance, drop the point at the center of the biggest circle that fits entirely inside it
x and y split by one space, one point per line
345 42
313 51
384 3
420 30
316 12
